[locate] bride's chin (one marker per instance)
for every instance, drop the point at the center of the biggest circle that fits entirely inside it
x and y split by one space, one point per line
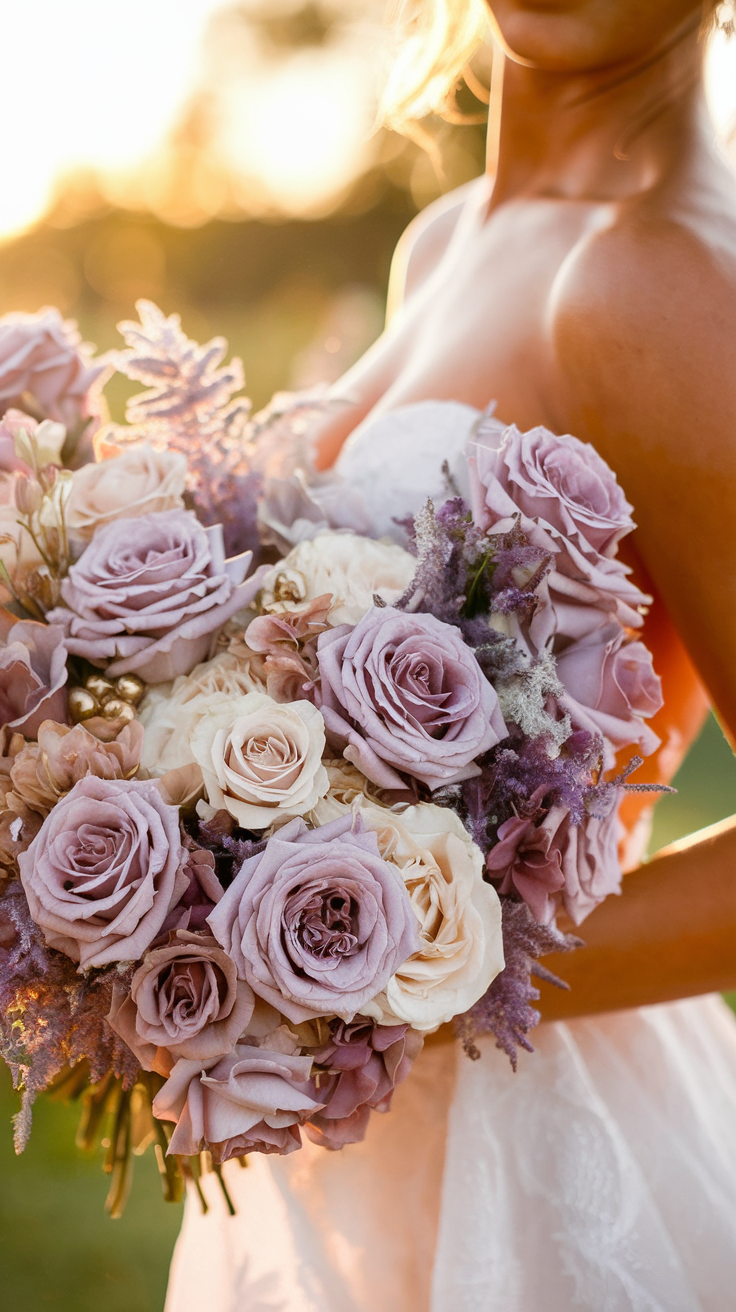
586 36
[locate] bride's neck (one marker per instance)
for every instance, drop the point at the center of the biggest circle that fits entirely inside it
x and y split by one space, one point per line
602 135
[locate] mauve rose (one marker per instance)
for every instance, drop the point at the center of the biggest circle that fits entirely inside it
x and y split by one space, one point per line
149 595
318 922
104 870
590 859
559 480
139 481
185 1000
364 1064
204 890
548 860
403 692
527 858
612 685
252 1100
32 676
42 357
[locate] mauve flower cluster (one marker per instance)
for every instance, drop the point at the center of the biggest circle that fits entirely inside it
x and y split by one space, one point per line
340 800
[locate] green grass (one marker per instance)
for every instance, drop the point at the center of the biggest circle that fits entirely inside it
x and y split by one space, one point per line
59 1251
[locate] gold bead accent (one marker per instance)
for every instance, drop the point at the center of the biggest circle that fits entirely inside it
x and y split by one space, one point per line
82 705
100 687
130 688
116 709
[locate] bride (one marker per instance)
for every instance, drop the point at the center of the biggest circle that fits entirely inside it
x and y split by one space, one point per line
588 283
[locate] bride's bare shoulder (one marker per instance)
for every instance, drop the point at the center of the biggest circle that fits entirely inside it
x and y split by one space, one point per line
643 312
424 242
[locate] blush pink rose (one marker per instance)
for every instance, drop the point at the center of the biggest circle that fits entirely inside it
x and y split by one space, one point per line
42 357
138 481
252 1100
185 1000
364 1063
612 688
318 922
33 676
404 693
148 596
104 870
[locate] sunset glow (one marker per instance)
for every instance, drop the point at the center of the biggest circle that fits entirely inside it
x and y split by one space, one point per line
98 87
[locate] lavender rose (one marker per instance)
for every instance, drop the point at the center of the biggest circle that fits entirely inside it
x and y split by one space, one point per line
317 923
252 1100
612 687
404 692
32 676
42 356
559 480
364 1063
147 597
104 870
572 507
185 1000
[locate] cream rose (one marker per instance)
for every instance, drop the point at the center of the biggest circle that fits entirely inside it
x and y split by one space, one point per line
350 567
346 786
459 915
170 712
261 760
136 482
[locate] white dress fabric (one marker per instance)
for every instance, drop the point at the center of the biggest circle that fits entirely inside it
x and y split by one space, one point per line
601 1176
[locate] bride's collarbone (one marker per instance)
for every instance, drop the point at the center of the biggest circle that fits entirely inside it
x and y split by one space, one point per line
484 322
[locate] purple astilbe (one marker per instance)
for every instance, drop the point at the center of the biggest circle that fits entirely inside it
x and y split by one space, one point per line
50 1017
506 1010
192 407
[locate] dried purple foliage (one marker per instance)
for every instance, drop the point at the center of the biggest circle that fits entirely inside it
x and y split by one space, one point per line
50 1016
506 1009
518 769
191 407
229 845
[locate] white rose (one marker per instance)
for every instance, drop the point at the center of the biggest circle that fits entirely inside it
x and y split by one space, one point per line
459 917
170 712
352 568
139 481
261 760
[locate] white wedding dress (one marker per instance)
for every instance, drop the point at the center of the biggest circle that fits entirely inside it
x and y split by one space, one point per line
601 1176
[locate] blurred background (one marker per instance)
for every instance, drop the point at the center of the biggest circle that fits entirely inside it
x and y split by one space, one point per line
220 159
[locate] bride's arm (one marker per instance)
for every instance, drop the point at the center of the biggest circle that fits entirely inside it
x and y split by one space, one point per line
643 341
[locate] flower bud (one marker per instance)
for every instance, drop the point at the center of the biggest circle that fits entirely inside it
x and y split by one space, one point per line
28 495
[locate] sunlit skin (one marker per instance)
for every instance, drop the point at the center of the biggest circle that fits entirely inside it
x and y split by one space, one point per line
590 286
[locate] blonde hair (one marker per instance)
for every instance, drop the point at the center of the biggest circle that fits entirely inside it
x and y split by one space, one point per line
437 40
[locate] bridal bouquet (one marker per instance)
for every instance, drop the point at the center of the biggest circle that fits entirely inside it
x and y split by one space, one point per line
278 799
